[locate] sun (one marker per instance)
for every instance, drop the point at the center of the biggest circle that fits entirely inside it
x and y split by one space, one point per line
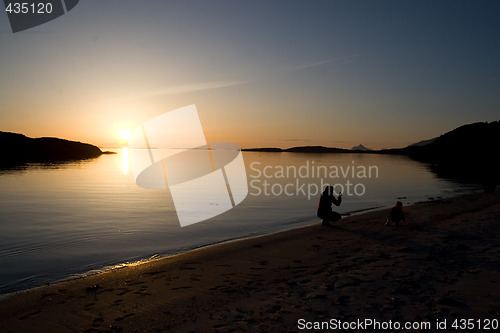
124 134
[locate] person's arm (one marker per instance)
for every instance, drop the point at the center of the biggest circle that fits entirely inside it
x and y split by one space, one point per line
337 201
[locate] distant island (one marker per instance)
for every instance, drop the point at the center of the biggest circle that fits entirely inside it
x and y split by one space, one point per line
468 153
303 149
360 147
17 149
477 139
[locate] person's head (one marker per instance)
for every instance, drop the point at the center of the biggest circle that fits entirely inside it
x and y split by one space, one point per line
399 204
328 190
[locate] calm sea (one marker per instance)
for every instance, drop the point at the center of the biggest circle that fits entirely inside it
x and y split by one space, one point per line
64 220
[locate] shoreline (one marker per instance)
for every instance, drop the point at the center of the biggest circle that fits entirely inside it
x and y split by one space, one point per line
164 256
308 272
158 256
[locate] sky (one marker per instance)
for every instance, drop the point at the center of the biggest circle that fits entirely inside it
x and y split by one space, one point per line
261 73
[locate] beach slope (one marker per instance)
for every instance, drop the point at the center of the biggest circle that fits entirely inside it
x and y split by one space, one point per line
442 263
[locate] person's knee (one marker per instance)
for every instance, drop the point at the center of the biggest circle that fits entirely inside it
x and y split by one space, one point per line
335 217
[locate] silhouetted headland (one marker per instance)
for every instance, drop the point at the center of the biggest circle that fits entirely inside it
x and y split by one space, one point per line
17 149
469 153
473 141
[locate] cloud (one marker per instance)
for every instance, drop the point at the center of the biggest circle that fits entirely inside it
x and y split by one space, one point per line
326 61
188 88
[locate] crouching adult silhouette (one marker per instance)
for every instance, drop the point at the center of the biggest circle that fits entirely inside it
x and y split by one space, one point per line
325 211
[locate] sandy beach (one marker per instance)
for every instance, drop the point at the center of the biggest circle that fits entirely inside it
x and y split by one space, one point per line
441 264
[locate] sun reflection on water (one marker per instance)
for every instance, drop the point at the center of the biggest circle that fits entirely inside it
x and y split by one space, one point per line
125 160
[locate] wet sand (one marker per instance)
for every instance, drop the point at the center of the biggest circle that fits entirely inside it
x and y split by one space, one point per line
442 263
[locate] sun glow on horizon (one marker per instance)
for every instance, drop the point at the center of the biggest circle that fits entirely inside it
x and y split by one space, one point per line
124 135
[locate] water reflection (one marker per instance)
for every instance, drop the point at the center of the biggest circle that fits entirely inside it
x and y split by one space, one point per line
125 160
69 218
26 166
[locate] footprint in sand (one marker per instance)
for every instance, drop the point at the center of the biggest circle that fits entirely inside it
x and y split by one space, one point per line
344 299
123 291
97 321
88 306
30 315
448 301
314 247
49 295
142 292
133 283
182 287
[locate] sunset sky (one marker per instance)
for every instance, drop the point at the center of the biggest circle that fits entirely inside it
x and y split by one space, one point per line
261 73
